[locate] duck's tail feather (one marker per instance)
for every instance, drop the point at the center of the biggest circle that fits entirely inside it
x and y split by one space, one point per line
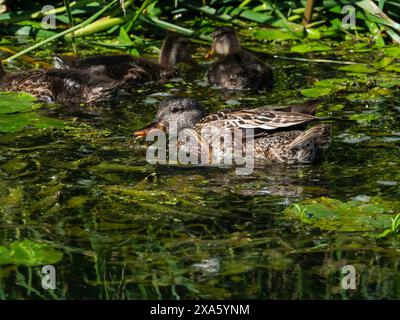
320 134
312 143
324 138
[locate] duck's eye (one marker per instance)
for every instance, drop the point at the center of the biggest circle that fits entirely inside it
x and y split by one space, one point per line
175 110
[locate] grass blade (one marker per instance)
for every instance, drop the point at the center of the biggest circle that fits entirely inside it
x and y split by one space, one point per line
71 20
61 34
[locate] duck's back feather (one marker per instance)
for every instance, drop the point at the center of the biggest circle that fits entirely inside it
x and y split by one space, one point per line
63 86
294 147
240 70
121 68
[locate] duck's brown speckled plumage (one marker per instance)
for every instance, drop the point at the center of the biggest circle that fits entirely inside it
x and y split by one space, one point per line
61 86
134 70
294 147
277 136
236 68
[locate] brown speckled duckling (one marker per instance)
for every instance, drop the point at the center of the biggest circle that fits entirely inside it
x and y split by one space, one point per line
279 136
236 68
61 86
133 70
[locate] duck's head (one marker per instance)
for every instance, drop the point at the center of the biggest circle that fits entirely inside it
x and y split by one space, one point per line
225 41
175 112
175 49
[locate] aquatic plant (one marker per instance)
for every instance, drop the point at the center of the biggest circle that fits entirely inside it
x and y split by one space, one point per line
274 21
394 227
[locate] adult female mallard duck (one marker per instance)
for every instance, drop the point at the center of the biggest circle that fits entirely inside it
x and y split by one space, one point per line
279 135
236 68
61 86
175 49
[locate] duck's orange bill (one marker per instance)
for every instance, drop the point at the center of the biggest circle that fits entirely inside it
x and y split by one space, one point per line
154 126
210 53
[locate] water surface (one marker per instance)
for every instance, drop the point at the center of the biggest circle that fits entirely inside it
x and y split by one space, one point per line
129 230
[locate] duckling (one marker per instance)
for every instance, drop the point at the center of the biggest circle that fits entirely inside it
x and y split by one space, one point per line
175 49
279 136
237 68
61 86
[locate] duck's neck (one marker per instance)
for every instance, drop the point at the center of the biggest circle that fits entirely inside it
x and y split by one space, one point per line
233 48
230 45
168 56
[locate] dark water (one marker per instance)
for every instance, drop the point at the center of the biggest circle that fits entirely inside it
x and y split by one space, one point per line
129 230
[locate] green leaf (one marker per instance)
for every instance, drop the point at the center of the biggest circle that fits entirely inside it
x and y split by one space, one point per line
382 63
395 68
274 34
374 94
336 107
313 34
334 83
29 253
376 33
42 122
13 122
19 121
358 68
315 92
364 117
310 47
260 17
124 37
332 214
389 83
44 34
392 52
11 102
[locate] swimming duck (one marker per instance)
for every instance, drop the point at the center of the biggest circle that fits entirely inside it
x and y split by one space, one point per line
61 86
175 49
236 68
279 135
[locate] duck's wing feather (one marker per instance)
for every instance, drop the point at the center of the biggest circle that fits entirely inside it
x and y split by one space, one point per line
259 118
309 107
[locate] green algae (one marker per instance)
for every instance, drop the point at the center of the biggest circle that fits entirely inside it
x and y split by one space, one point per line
29 253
